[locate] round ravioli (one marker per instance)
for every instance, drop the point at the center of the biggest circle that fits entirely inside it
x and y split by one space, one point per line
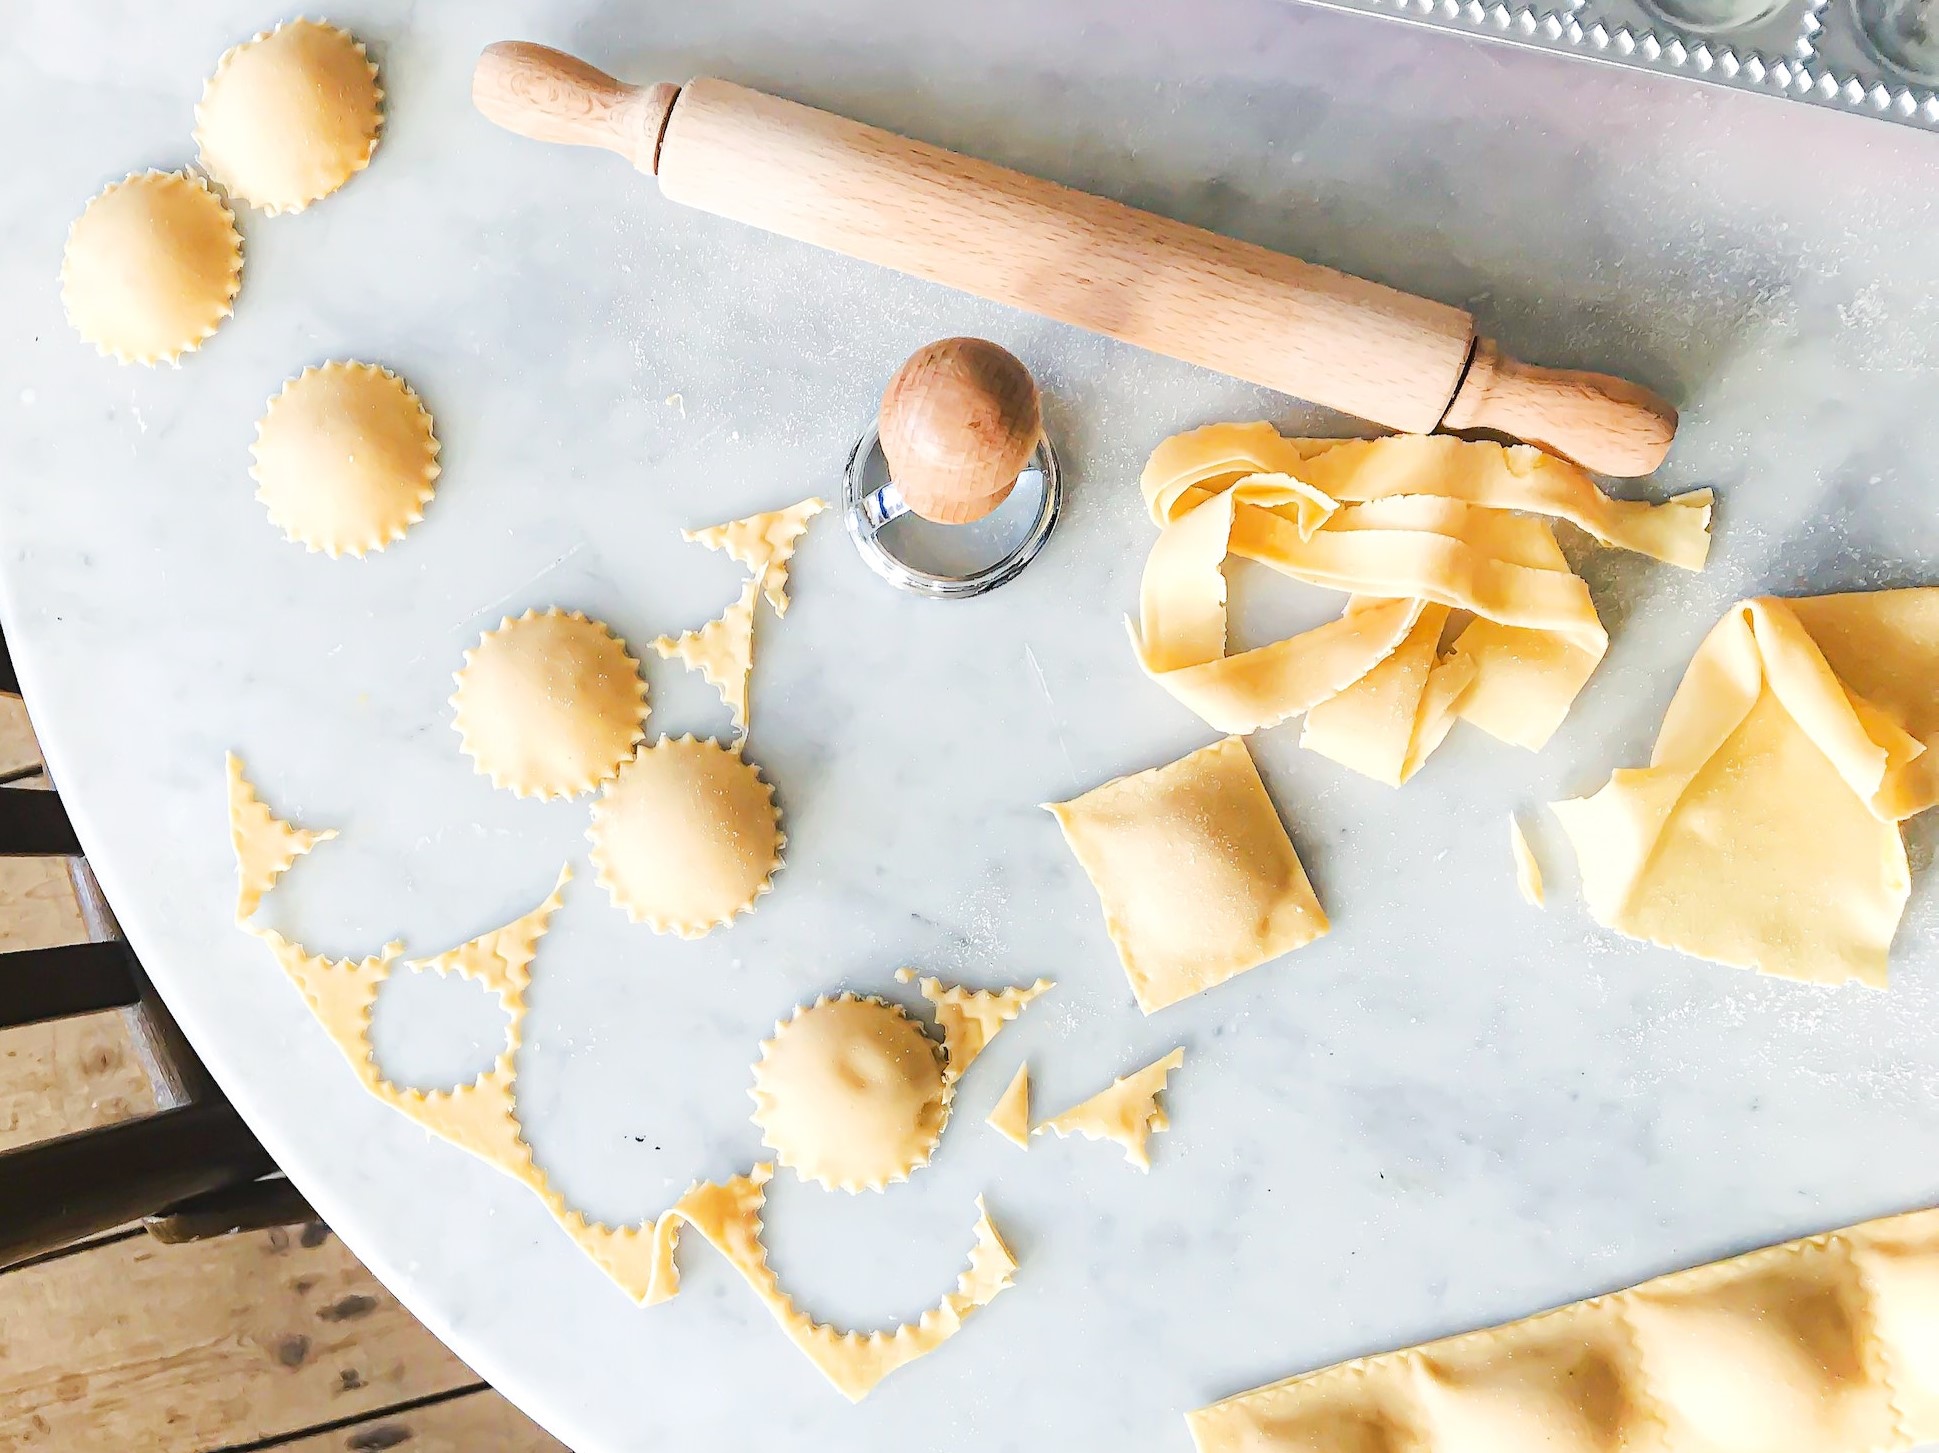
850 1093
289 116
151 267
686 837
346 458
550 704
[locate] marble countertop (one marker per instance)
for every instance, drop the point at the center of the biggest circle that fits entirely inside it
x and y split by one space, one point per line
1451 1111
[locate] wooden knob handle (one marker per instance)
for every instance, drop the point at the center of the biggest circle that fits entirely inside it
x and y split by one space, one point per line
550 96
958 422
1605 424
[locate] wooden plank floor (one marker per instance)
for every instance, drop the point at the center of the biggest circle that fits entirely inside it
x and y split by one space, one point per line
274 1340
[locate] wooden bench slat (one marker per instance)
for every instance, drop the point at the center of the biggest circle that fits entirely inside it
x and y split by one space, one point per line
469 1424
173 1349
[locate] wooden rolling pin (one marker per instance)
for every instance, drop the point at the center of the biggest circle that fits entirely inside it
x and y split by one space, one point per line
1230 306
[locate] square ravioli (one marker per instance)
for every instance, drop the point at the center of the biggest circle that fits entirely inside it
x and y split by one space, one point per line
1898 1261
1768 1353
1198 879
1568 1381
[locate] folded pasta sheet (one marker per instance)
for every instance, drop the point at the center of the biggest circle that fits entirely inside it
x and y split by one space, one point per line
1429 538
1826 1345
1765 831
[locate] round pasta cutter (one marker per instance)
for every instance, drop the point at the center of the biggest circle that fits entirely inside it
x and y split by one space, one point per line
953 488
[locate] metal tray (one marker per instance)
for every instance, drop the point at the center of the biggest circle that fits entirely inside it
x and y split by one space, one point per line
1869 57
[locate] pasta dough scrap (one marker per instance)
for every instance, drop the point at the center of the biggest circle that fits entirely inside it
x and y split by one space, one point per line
1198 879
1824 1345
686 837
265 845
640 1259
339 993
1528 872
1011 1116
1512 477
345 458
1127 1112
289 116
151 268
1386 724
851 1093
722 651
480 1117
970 1018
728 1215
550 704
1765 831
764 543
1411 529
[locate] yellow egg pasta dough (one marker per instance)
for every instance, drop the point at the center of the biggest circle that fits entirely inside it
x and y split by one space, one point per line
851 1093
345 458
1197 877
1765 831
151 267
1127 1111
686 836
1825 1345
764 543
1413 530
265 846
1010 1117
289 116
549 705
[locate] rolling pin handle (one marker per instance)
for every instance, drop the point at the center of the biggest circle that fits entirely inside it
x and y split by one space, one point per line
550 96
1605 424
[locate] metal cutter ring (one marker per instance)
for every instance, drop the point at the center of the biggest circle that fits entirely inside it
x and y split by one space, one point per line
867 511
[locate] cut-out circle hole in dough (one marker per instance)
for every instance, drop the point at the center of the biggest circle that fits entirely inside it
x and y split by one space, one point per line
550 704
345 458
850 1093
687 836
289 116
432 1031
151 267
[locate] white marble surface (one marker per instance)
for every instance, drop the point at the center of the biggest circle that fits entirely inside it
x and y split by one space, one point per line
1451 1111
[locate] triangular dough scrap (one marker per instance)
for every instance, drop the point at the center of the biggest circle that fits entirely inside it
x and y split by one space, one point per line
722 651
1764 833
728 1215
764 543
1528 872
264 844
1011 1116
1128 1112
340 993
970 1018
480 1117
